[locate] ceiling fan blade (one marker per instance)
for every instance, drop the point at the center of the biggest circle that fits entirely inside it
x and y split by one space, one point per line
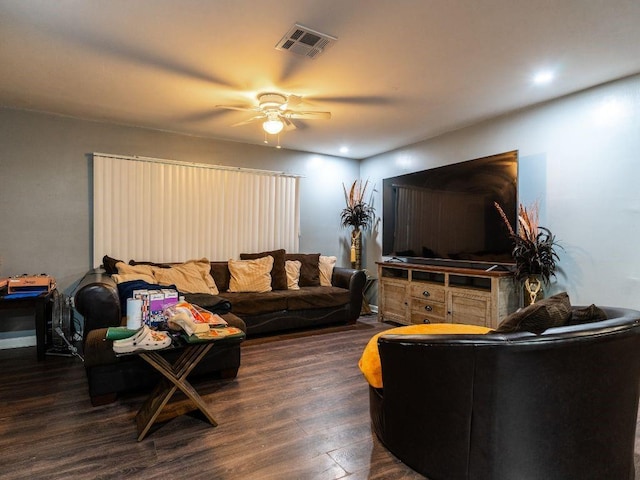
310 115
368 100
288 124
248 121
203 116
241 109
138 55
293 101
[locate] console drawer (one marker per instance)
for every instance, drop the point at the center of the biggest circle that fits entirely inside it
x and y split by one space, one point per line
426 309
427 291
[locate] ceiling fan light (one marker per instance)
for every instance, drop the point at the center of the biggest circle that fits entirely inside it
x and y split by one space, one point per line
273 126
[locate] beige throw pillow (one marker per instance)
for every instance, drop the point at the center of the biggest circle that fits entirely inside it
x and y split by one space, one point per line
130 277
326 270
124 269
251 275
190 277
293 274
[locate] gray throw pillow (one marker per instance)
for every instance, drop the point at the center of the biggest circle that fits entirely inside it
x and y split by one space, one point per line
586 315
549 312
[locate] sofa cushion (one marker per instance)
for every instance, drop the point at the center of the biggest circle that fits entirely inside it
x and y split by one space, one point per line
221 275
213 303
549 312
124 269
190 277
317 297
278 271
251 275
293 274
127 273
586 315
253 303
310 270
326 269
152 264
130 277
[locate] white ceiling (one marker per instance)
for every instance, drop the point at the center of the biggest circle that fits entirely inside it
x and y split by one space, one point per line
401 71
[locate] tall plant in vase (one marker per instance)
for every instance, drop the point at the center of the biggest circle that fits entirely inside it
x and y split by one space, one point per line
534 251
359 215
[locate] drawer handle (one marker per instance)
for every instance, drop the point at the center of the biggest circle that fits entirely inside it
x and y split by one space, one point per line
426 293
428 308
426 320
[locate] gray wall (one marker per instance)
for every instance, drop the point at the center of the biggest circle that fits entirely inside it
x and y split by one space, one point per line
579 156
45 187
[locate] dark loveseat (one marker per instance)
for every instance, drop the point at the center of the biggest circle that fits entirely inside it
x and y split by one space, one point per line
96 299
503 406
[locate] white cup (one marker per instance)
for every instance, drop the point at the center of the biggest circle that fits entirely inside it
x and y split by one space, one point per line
134 313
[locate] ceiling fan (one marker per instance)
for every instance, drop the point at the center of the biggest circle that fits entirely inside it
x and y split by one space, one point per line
274 110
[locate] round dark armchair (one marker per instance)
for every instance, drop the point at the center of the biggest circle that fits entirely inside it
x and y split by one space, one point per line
559 405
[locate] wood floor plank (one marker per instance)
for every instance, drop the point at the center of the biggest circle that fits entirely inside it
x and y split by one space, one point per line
297 410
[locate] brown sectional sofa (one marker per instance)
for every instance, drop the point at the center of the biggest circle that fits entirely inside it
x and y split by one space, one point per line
97 299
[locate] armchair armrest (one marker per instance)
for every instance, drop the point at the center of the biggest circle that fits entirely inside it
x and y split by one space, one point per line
425 411
96 299
354 281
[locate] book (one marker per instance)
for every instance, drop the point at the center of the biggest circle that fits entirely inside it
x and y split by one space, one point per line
214 334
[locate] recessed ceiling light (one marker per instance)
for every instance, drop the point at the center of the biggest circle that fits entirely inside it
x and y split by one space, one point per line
344 149
543 77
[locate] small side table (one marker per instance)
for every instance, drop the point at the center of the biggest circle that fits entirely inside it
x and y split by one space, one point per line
42 308
174 378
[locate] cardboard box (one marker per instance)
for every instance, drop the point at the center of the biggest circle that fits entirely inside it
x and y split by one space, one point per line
156 307
144 296
170 297
31 283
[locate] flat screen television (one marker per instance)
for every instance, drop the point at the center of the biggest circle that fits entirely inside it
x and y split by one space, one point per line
447 214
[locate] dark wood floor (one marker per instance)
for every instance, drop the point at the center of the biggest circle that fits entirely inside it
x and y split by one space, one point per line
297 410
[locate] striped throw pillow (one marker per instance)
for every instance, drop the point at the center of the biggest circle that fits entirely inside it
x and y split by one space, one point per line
251 275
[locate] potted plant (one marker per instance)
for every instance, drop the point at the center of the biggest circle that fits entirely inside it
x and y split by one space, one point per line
533 250
358 215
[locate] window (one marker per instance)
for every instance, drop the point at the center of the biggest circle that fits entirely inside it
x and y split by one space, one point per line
167 211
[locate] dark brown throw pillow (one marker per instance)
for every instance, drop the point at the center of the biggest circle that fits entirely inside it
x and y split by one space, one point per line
152 264
278 271
310 270
549 312
109 264
221 275
586 315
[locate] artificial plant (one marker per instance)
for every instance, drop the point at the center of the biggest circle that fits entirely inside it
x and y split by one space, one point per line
533 246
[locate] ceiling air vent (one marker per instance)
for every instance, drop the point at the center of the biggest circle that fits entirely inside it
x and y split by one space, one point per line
305 42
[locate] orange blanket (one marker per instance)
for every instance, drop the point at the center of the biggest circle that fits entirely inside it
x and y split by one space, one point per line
370 360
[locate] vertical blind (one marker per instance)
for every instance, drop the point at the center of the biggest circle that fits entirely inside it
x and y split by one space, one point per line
167 211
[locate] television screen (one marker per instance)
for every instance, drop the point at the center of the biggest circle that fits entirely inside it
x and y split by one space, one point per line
449 213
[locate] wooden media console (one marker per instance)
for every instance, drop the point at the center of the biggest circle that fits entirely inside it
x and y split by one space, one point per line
447 292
